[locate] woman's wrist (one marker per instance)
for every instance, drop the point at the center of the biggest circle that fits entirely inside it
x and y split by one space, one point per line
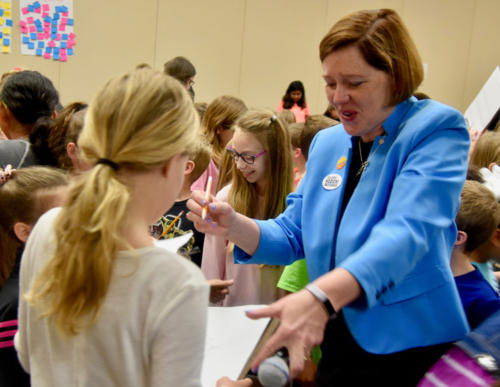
321 296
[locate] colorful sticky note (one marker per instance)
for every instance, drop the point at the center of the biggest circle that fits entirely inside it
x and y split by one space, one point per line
38 52
62 27
1 34
70 43
5 49
48 49
46 36
31 45
46 55
53 28
40 36
66 14
36 4
32 29
62 52
56 16
26 40
1 11
38 22
46 7
56 57
38 10
53 36
51 44
41 44
69 51
30 20
9 22
6 42
64 58
70 22
64 20
1 21
33 36
63 45
6 5
44 15
6 30
6 14
30 8
64 36
46 29
47 19
71 35
22 23
58 37
24 30
25 10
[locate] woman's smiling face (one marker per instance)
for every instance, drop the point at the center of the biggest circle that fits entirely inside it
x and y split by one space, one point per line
358 91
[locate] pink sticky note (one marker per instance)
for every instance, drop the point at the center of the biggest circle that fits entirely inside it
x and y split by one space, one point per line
25 10
70 43
46 55
64 20
63 58
44 15
66 14
51 44
40 36
46 29
62 52
71 36
46 7
30 20
32 29
22 23
62 27
46 35
58 37
38 10
24 30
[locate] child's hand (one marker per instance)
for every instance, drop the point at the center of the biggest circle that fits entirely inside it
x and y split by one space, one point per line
220 215
219 289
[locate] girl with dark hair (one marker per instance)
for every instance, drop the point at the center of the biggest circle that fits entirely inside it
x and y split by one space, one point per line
295 100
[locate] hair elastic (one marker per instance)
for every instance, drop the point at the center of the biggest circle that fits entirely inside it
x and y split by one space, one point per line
109 163
6 174
273 119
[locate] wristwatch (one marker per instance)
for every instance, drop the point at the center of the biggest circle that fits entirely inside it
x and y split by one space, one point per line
321 296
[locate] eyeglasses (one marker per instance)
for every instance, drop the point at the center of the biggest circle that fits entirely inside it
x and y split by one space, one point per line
249 159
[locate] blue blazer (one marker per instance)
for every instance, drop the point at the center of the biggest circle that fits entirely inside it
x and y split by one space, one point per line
397 231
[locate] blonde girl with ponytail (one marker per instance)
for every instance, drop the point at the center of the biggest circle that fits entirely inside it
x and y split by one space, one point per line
261 180
102 305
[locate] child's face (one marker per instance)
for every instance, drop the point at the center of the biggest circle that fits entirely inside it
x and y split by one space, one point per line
247 143
296 95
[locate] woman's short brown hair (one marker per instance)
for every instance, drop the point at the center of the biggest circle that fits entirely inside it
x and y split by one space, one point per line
385 44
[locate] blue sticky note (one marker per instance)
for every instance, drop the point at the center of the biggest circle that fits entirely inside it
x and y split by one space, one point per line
26 40
70 22
6 42
56 50
69 51
54 22
38 52
58 9
39 29
63 44
54 29
53 36
1 34
48 49
56 57
41 44
1 11
8 22
47 19
38 22
56 16
31 45
36 4
31 8
64 8
33 36
64 36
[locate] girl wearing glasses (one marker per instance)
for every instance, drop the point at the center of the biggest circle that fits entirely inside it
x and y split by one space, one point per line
261 180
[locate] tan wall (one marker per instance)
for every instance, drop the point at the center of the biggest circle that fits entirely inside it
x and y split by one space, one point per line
254 48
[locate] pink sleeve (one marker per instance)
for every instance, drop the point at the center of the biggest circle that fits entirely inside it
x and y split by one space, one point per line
307 111
280 107
213 262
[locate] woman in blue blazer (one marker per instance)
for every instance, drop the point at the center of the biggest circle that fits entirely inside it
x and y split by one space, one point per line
374 218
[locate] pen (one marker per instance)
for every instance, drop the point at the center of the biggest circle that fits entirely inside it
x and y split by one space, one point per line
207 196
171 224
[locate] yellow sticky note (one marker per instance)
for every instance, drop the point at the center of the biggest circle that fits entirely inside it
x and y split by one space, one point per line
6 5
6 30
1 5
5 49
1 21
7 14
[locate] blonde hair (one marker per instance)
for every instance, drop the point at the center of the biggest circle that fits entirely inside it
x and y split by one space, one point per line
24 198
220 115
385 44
271 132
200 156
312 126
137 121
478 215
486 150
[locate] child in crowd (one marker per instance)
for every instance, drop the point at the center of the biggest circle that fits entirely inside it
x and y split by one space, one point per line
102 305
197 163
477 219
485 156
25 194
262 179
217 128
295 100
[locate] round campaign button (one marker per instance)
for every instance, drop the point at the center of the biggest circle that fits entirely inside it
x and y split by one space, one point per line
332 181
